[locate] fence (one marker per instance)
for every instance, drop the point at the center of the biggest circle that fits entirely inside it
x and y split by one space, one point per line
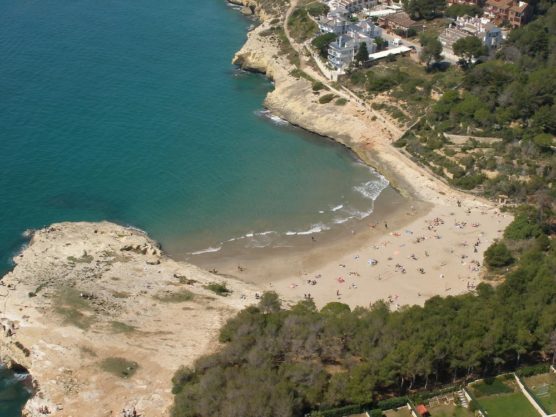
532 398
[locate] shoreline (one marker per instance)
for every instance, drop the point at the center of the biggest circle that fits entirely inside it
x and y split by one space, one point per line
370 138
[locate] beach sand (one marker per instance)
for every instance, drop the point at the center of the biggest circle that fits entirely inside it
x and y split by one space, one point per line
454 263
445 240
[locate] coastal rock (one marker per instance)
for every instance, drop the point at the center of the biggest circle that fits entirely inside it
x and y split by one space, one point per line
105 298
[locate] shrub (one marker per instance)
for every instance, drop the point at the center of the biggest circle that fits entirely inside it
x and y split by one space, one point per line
327 98
395 402
341 102
498 255
524 226
526 371
317 86
219 288
119 366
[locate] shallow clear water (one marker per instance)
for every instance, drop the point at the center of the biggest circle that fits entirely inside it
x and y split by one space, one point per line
131 111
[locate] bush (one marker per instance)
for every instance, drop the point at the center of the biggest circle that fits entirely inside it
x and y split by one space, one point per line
219 288
468 182
327 98
524 226
498 256
341 102
526 371
395 402
317 86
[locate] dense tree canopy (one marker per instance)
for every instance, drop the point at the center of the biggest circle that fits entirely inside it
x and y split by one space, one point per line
424 9
278 362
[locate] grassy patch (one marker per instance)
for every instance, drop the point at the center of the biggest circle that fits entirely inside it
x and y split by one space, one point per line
341 102
119 366
508 405
174 297
491 386
301 26
75 317
119 327
544 388
219 288
84 259
73 308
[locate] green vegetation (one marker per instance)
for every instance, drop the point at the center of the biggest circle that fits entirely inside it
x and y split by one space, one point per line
322 42
469 48
327 98
301 26
119 327
498 256
528 224
362 54
543 388
219 288
73 308
456 10
424 9
431 50
317 8
508 405
119 366
277 362
317 86
341 102
491 386
506 108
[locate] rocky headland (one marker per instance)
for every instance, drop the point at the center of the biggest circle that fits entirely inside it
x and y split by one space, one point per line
102 319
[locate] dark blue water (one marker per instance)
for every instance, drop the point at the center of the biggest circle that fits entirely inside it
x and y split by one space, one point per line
13 393
130 111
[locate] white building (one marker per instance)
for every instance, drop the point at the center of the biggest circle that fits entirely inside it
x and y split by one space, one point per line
342 52
482 28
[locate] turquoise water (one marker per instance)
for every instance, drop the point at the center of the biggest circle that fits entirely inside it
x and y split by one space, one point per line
130 111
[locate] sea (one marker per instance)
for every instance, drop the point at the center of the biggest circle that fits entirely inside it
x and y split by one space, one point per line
131 111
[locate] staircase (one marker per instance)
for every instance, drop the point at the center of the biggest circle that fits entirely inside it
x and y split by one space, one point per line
462 399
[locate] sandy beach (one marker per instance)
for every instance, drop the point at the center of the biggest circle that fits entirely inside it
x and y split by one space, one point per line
430 244
440 253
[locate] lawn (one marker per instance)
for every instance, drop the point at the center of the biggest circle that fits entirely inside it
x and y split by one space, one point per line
493 386
508 405
547 399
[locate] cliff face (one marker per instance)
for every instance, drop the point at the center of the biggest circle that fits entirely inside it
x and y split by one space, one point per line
294 100
102 319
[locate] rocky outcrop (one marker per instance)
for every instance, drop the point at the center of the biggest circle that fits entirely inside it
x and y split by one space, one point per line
102 319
